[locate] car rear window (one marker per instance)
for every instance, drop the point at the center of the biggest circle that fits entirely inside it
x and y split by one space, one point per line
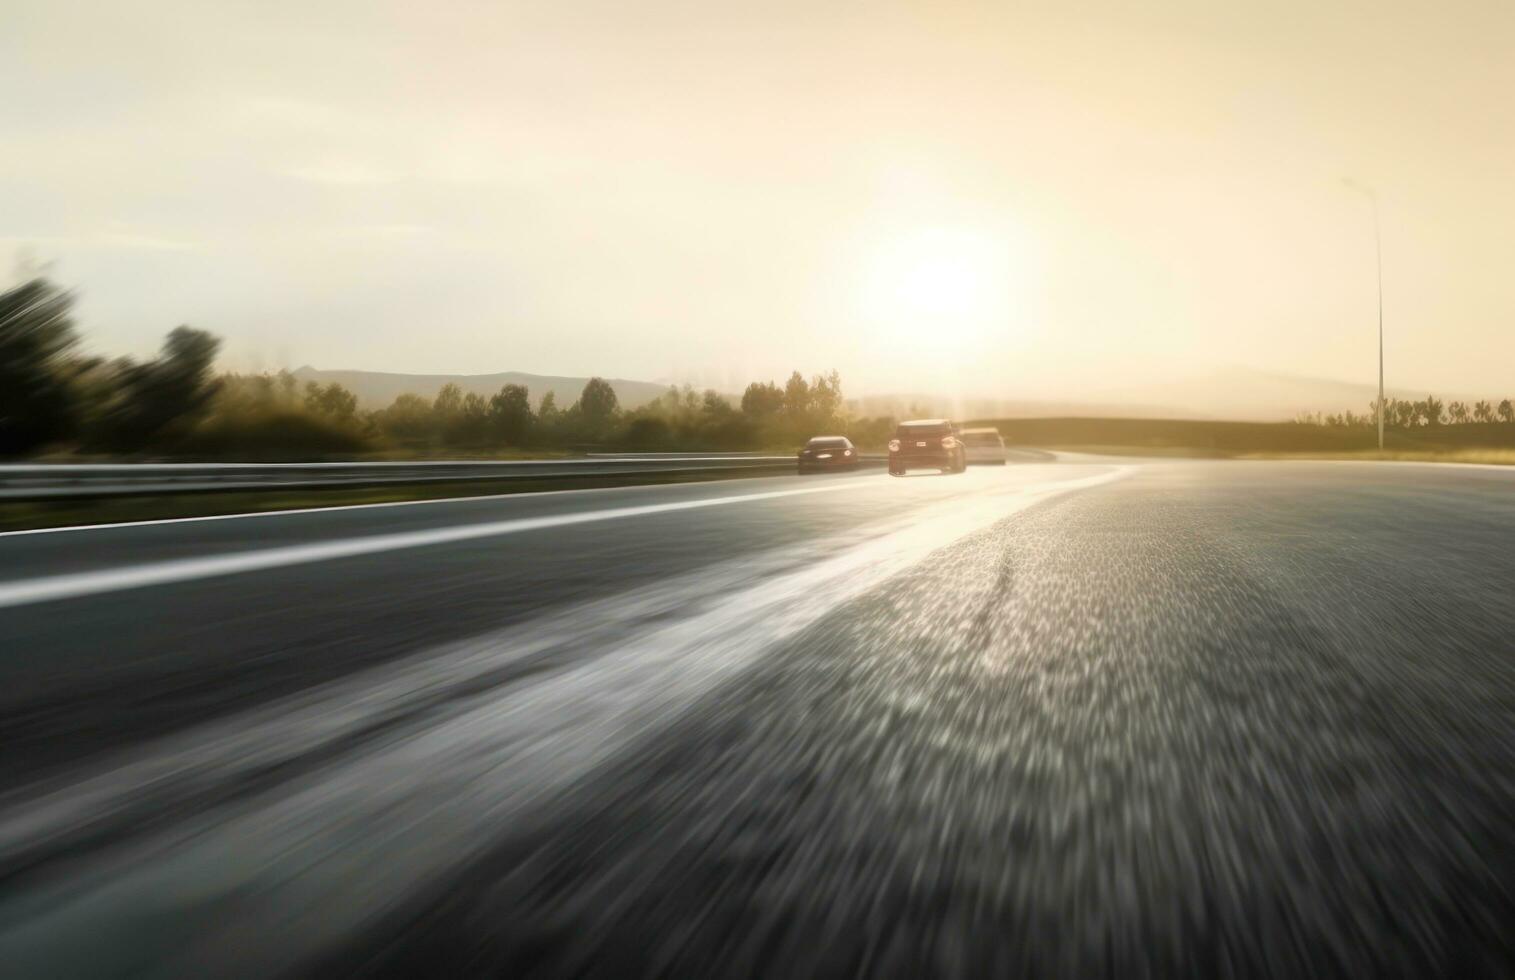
918 431
828 443
981 438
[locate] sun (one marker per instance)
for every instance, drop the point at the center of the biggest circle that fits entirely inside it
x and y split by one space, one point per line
941 286
950 282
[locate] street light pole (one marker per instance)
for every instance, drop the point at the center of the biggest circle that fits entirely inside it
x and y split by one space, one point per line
1378 252
1378 249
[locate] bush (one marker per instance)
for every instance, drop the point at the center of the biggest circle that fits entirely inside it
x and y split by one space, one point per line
647 432
274 435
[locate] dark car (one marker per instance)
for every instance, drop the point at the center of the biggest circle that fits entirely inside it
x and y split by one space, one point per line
825 454
926 444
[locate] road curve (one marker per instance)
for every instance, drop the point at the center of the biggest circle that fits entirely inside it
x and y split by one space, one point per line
1092 716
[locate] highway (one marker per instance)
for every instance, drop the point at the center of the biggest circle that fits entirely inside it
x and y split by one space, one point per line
1079 717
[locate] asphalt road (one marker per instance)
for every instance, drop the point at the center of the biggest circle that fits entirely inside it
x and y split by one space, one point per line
1090 717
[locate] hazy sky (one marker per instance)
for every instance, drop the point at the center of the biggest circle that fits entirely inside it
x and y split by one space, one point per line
1009 199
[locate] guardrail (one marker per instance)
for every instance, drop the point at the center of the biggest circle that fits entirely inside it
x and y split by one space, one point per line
53 481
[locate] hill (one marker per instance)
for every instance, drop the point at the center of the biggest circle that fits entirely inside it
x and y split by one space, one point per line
1247 394
1232 394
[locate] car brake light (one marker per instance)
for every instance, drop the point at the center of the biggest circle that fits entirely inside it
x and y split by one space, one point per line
948 442
894 445
846 452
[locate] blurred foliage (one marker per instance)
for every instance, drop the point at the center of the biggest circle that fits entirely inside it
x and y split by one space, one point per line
274 435
52 397
37 404
158 402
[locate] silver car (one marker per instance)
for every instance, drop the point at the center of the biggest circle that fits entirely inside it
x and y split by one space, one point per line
984 446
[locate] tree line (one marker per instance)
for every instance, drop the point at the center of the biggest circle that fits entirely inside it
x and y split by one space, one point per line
681 418
1404 413
53 396
50 392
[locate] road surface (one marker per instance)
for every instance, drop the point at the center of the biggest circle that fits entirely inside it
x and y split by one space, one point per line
1085 717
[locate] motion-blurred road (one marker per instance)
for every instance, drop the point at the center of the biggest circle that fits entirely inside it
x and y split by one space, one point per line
1082 717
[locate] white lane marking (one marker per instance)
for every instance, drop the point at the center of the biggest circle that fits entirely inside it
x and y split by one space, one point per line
340 507
74 585
313 859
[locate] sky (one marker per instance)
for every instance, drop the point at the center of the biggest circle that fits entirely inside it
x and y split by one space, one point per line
993 199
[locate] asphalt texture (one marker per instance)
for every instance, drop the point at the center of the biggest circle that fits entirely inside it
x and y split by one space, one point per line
1085 718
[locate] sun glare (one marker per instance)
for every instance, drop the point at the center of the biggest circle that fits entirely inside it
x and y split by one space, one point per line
942 281
940 286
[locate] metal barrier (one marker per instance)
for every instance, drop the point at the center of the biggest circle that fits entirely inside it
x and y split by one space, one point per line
50 481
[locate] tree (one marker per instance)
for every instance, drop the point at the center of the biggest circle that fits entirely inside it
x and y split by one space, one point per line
598 403
762 399
1483 411
470 425
1506 411
1457 412
408 418
162 400
551 421
1433 410
331 400
796 397
825 399
288 386
715 405
449 401
510 415
36 337
313 392
670 403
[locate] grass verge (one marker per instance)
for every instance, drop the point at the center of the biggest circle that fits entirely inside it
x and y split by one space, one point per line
1499 457
1502 457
